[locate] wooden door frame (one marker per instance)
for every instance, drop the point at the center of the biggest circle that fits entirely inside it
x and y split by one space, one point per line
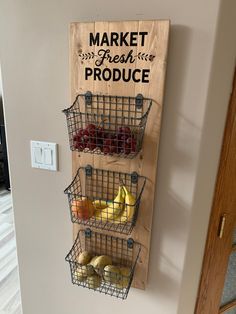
222 221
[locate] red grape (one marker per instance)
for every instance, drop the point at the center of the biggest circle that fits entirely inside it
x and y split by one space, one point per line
100 132
133 146
109 142
127 149
106 150
91 126
126 130
114 149
91 145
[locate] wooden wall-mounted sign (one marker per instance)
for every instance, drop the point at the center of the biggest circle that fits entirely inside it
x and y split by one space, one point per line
124 59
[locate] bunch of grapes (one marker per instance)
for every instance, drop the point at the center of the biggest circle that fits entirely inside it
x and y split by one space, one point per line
92 137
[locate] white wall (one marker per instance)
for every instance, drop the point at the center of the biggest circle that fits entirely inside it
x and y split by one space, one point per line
34 58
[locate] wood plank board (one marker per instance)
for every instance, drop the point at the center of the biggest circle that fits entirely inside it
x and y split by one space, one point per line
150 38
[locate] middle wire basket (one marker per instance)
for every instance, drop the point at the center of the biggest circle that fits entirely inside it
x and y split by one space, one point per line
105 199
103 263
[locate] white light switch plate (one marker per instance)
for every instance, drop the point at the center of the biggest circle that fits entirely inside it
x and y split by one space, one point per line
44 155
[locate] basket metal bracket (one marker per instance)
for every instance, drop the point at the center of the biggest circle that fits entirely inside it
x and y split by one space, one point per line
130 243
88 170
88 233
88 98
134 177
139 101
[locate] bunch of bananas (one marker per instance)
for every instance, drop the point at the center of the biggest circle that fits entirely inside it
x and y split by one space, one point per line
121 210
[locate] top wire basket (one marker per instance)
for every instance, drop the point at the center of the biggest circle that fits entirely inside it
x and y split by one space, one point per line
107 125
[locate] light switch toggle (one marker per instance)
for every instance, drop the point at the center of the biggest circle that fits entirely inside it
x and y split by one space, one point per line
48 156
44 155
38 155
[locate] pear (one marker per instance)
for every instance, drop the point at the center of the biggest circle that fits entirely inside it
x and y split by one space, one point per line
79 277
94 281
125 271
87 270
111 274
124 278
84 258
79 274
93 260
100 262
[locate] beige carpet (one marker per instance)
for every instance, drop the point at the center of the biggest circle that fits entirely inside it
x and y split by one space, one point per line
10 301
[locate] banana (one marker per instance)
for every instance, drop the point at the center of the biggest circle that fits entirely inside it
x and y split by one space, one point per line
114 209
128 212
129 204
101 209
99 204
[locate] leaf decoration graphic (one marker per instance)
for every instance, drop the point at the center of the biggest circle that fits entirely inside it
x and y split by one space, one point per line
151 57
145 56
87 55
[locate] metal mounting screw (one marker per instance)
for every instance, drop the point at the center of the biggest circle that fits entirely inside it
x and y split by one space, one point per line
88 233
130 243
134 177
88 98
88 170
139 101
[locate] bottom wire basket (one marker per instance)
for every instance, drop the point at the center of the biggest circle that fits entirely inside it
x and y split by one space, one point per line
103 263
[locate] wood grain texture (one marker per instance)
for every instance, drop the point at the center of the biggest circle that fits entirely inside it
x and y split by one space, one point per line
146 162
218 250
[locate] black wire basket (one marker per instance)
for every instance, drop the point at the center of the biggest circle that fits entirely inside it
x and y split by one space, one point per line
107 265
98 198
107 125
